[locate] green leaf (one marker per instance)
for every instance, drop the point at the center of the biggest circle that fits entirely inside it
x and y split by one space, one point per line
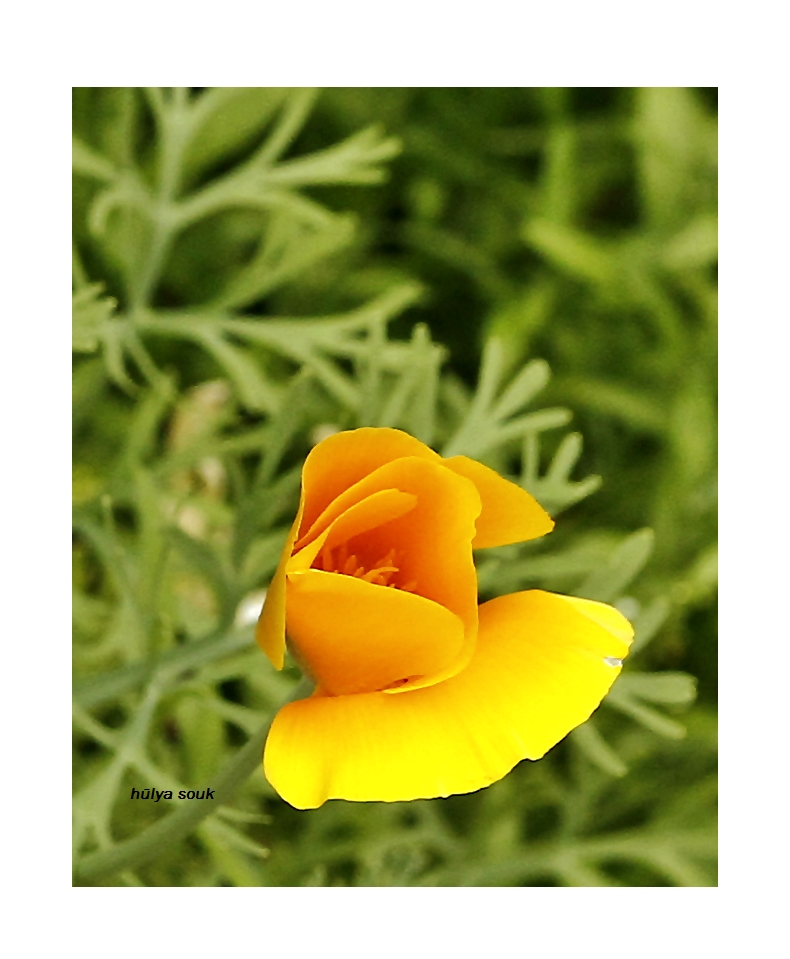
523 388
488 423
202 733
262 556
421 418
572 251
253 390
556 491
671 137
695 246
678 689
597 750
89 312
649 718
633 406
87 162
356 160
648 622
287 249
625 564
225 120
702 579
204 560
142 433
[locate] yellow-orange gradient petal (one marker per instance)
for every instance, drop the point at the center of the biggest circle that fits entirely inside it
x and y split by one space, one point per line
430 545
432 542
343 459
542 664
373 511
510 514
354 637
270 629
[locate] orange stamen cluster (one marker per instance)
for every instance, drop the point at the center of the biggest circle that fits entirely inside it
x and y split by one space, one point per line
379 574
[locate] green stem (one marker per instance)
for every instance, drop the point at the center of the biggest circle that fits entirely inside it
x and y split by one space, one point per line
79 276
291 121
179 824
93 692
174 132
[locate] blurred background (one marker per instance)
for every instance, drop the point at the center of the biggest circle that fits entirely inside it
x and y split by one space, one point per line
526 275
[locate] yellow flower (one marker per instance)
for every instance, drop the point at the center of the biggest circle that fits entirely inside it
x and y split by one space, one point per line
419 692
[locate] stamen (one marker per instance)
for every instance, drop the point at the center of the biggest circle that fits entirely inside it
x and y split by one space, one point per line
379 574
380 570
387 560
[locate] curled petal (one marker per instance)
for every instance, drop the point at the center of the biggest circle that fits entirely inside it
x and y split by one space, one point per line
369 513
433 540
510 514
427 518
270 629
355 637
343 459
542 664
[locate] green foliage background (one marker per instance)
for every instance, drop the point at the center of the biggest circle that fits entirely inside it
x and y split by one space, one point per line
499 272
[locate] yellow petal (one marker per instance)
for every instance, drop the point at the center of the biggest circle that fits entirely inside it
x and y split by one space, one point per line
341 460
510 514
542 664
270 629
607 616
356 637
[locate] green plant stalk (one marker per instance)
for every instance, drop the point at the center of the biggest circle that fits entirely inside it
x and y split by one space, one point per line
150 843
97 690
175 130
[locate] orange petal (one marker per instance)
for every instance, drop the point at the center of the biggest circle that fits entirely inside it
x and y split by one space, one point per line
373 511
341 460
510 514
432 542
355 637
542 664
270 629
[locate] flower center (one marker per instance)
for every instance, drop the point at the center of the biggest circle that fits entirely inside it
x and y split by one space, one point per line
380 573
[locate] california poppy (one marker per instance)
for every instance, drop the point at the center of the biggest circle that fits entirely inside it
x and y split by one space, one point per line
419 692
